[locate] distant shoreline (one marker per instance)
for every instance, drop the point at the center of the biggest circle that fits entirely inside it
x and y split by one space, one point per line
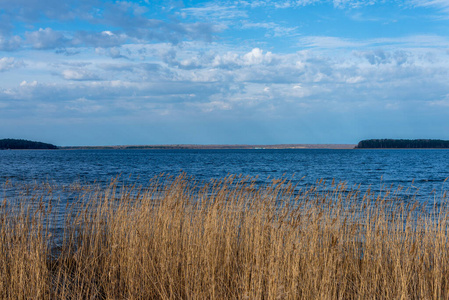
403 144
211 147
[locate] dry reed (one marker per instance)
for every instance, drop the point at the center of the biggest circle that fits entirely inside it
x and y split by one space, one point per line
228 239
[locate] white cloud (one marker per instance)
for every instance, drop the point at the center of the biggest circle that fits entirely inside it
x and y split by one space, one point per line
289 4
319 82
114 52
256 56
79 74
443 102
216 11
8 63
413 41
9 43
29 84
293 3
442 5
121 22
215 105
273 29
253 76
103 39
45 39
353 3
329 42
355 79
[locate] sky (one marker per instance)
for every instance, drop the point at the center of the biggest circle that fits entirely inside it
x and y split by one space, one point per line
96 72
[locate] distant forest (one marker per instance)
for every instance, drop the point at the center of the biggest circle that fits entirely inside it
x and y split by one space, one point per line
24 144
393 143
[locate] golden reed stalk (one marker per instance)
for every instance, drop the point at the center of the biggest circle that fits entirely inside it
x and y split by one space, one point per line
229 239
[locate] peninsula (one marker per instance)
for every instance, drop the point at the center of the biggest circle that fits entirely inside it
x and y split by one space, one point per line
402 144
24 144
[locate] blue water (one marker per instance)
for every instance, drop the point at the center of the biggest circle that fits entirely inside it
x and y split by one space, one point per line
427 169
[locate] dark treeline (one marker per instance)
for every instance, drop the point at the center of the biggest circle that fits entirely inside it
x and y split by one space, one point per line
24 144
393 143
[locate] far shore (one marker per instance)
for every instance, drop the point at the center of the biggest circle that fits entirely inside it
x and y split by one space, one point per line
211 147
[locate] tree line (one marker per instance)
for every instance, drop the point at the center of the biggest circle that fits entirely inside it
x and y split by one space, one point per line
24 144
402 143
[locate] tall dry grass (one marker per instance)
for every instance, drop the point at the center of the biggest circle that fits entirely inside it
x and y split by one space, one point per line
226 240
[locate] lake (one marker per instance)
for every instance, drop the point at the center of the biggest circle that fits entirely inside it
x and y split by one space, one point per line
426 168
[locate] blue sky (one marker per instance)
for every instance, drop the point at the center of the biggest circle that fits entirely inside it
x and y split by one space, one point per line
223 72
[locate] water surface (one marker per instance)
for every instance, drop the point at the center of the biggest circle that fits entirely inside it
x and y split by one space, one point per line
423 171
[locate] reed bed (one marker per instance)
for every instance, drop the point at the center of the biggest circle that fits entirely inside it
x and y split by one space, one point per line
228 239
